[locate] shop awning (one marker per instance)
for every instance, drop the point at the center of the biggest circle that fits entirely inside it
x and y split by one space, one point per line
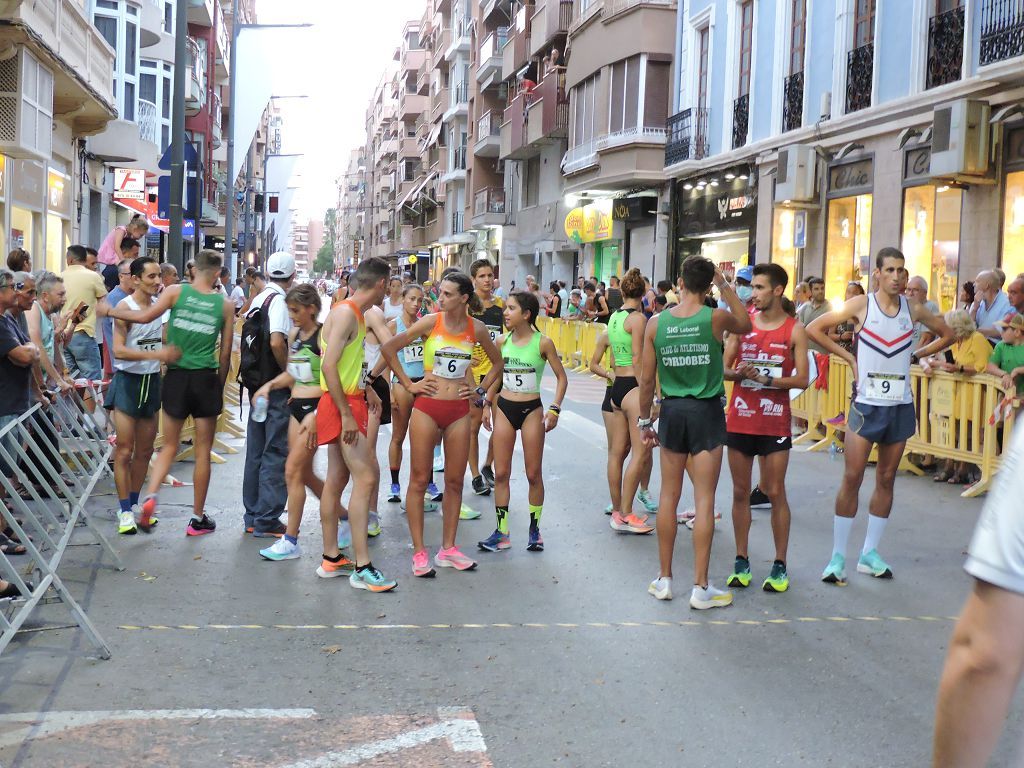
432 137
414 193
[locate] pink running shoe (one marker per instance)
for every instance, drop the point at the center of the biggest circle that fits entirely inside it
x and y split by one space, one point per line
148 512
421 565
453 558
630 523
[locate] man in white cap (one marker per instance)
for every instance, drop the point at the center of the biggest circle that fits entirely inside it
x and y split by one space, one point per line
265 356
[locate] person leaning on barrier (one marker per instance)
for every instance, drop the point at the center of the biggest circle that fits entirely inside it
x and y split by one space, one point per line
50 299
18 355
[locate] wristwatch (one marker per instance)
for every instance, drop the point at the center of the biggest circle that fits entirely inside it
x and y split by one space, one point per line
480 391
642 423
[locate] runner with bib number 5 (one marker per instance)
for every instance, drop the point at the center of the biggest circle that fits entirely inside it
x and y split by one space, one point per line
441 409
882 408
526 352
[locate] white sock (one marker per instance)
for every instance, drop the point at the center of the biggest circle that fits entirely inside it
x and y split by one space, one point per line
876 527
840 534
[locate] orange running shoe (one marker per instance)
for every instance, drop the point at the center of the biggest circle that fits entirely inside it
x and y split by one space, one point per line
630 523
330 569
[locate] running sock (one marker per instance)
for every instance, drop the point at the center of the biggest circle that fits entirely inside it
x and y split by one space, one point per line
840 534
335 559
876 527
361 568
126 505
291 539
133 498
535 512
780 562
199 519
394 475
502 513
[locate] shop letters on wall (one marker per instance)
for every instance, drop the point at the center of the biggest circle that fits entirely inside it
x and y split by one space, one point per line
724 209
849 179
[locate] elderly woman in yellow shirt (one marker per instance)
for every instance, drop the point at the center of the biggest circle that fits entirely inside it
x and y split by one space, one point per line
970 352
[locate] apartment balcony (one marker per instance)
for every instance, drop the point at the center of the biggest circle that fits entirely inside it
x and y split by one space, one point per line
548 25
126 142
516 53
201 12
547 116
222 52
488 136
945 48
613 8
411 106
412 60
489 7
58 33
513 130
423 79
151 22
580 157
488 208
740 120
490 55
460 39
438 104
583 12
388 148
388 113
458 102
195 82
442 39
148 119
627 158
456 169
1002 31
409 148
793 102
860 64
687 136
216 137
458 223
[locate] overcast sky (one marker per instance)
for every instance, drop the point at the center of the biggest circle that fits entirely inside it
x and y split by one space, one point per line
337 62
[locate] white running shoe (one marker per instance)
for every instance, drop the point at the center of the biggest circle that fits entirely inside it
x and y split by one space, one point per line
709 597
439 463
688 516
282 549
661 588
344 535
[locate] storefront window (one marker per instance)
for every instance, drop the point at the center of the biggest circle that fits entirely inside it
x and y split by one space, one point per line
931 239
22 231
848 247
57 243
1013 225
607 260
783 252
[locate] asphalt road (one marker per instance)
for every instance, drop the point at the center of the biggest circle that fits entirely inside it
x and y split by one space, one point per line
561 657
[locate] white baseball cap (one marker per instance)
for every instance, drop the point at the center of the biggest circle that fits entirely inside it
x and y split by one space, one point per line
280 265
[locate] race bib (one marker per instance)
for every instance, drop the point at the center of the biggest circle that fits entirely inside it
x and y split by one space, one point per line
300 369
495 331
450 363
520 380
151 345
885 386
763 368
414 352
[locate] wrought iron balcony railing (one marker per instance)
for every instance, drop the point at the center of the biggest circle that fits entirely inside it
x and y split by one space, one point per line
740 120
1002 30
793 102
945 47
860 64
687 136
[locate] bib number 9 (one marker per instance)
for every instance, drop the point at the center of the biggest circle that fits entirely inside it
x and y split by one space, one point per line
886 386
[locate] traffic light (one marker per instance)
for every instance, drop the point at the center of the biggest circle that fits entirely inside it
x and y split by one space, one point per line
272 207
258 203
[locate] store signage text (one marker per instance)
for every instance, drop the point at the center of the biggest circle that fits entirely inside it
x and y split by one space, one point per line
851 178
917 164
590 223
701 212
129 183
634 208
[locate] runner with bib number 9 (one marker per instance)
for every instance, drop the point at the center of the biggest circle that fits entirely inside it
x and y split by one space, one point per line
441 409
525 352
882 405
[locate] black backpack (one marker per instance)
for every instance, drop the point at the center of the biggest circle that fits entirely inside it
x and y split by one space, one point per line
257 365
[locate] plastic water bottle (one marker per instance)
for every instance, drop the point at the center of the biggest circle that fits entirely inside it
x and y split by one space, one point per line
833 451
259 409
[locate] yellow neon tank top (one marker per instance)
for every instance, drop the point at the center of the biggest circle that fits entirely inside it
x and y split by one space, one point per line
352 365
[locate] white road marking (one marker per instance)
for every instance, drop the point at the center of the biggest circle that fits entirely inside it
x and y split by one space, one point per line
39 725
463 735
583 428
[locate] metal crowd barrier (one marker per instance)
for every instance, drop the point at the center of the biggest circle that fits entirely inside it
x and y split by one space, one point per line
57 455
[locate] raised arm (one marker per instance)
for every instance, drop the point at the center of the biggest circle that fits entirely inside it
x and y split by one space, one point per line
944 336
817 331
389 352
165 302
735 319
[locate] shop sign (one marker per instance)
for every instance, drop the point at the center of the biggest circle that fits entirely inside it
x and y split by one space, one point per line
634 208
27 186
129 183
848 179
721 211
916 163
800 229
58 196
590 223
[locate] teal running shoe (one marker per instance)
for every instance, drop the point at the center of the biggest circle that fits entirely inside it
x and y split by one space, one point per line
740 576
778 579
373 525
835 571
651 505
873 564
468 513
370 579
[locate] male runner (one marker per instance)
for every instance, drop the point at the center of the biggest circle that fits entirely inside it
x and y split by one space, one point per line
882 405
758 419
134 392
342 420
194 384
492 315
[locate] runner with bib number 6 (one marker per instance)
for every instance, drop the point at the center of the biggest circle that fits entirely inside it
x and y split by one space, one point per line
441 409
525 352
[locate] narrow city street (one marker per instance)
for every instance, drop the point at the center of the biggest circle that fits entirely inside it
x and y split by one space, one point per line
221 658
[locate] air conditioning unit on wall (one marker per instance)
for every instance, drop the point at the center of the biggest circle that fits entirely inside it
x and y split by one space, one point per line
960 139
26 107
796 174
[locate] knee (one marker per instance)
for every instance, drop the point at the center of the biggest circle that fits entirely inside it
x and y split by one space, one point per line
502 474
885 478
773 489
534 476
741 492
294 471
418 480
123 453
853 477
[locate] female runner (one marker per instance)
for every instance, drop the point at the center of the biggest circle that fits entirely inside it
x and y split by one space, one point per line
625 337
441 409
525 352
303 376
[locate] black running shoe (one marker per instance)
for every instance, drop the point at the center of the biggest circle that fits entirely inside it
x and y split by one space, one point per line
488 474
480 487
200 527
759 499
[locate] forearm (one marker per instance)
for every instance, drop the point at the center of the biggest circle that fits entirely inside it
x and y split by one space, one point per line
646 396
561 387
337 392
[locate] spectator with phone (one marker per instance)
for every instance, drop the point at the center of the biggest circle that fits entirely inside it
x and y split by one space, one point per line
83 285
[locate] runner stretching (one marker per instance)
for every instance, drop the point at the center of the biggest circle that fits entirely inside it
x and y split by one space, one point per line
758 420
882 404
683 347
441 409
135 391
342 422
525 352
194 384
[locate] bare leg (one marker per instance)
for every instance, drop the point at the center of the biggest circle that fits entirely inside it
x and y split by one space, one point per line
704 469
476 416
298 468
424 435
885 478
983 669
740 467
672 467
362 466
773 483
401 405
125 426
533 455
856 451
456 446
165 459
372 431
203 443
145 435
330 499
618 450
504 438
640 452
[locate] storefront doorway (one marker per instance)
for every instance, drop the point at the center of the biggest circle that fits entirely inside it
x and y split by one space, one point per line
716 217
848 233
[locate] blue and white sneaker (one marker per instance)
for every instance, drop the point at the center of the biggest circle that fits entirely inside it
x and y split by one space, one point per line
396 494
373 526
651 505
428 506
282 549
344 535
536 543
872 563
370 579
496 542
608 510
835 571
466 512
432 493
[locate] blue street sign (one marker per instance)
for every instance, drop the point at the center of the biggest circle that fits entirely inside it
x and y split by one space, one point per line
193 196
191 158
